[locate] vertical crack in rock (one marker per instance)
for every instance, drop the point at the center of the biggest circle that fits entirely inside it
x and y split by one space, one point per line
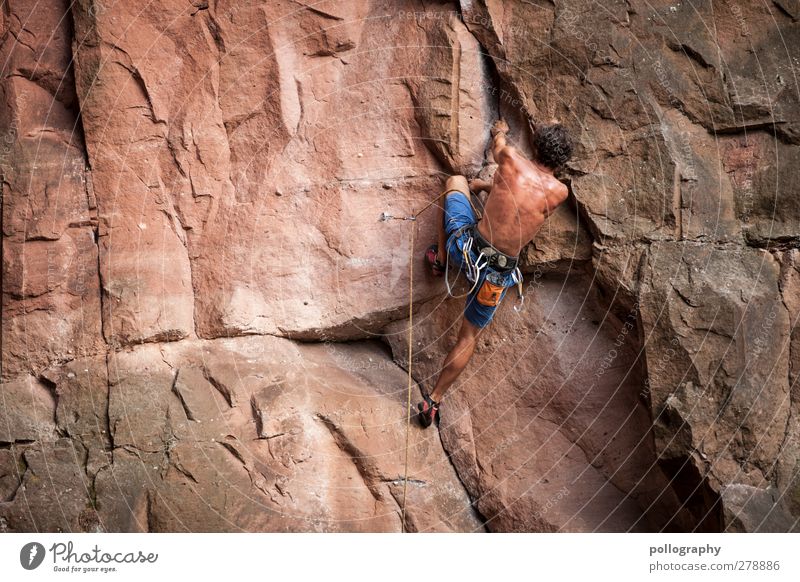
695 493
583 214
410 524
108 403
149 518
51 387
215 31
455 99
92 201
473 502
403 363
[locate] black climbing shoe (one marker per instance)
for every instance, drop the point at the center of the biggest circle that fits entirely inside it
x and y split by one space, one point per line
428 411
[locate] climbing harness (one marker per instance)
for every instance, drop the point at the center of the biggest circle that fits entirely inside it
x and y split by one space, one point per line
497 258
487 256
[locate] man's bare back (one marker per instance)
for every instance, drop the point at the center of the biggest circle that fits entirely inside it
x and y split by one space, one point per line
522 195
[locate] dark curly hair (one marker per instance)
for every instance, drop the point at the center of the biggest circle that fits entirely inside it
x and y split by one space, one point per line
553 145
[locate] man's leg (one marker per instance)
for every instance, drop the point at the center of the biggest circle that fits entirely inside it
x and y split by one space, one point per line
453 183
457 359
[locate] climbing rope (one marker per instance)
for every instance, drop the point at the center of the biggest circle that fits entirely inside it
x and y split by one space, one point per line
476 273
410 379
384 217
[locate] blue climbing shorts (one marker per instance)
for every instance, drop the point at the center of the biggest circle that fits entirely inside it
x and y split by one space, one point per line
492 285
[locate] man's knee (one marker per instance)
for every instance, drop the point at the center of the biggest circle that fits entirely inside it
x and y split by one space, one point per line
457 183
468 334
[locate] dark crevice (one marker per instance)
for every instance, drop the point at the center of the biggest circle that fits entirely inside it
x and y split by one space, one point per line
16 442
318 11
695 494
185 472
199 6
473 502
776 129
236 453
582 213
779 243
216 33
223 389
52 388
692 54
177 392
109 434
783 10
367 471
409 524
149 512
22 469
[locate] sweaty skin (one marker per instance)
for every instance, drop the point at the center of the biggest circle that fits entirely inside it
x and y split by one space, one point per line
521 196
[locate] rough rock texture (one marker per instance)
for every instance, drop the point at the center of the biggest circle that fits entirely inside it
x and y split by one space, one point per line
547 428
245 434
282 120
51 291
195 273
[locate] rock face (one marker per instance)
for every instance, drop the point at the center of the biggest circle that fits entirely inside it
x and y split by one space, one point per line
244 434
204 318
548 429
51 290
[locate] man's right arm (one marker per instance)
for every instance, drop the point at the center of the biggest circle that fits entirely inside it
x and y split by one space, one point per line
500 148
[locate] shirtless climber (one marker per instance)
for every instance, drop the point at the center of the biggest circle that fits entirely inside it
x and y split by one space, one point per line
522 195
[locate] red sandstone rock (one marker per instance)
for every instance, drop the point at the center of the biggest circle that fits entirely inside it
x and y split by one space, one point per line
51 299
547 427
226 176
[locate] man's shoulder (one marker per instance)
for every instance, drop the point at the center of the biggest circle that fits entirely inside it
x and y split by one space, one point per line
507 156
512 161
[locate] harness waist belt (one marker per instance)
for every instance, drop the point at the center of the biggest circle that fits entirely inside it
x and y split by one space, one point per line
497 259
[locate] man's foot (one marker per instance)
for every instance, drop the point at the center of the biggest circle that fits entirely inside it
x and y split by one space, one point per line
428 411
431 255
499 126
